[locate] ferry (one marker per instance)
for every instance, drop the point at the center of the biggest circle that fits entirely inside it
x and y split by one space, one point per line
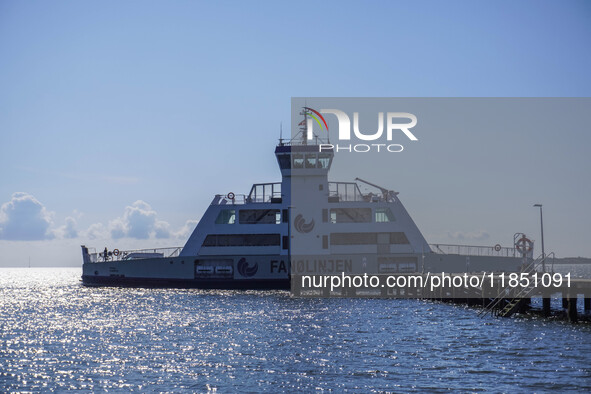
303 225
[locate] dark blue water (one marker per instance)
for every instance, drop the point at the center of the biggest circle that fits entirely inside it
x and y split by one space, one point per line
56 335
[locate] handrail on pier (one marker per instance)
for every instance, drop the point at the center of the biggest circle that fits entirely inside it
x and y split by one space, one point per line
474 250
519 292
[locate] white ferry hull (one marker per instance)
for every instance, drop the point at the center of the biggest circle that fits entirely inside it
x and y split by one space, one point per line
274 272
230 272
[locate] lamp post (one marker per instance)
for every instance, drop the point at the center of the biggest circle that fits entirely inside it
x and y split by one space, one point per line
542 230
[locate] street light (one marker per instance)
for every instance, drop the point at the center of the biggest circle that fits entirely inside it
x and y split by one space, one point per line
542 230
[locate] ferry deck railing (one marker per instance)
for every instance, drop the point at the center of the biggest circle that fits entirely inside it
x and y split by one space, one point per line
271 193
349 191
259 193
128 255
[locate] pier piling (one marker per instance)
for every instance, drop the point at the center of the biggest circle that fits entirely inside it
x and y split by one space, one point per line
546 306
572 309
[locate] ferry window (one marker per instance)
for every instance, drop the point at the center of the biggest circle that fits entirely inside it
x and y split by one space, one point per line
353 238
285 242
323 160
226 216
298 160
350 215
366 238
259 216
407 267
242 240
310 160
284 161
397 264
384 215
325 242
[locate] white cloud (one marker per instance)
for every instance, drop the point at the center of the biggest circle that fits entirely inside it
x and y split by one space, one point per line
139 221
96 231
161 229
470 236
187 229
68 230
24 218
117 228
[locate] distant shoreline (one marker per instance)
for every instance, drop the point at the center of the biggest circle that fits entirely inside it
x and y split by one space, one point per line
572 260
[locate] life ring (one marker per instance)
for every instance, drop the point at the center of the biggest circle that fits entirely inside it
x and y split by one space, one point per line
115 252
231 196
524 245
497 248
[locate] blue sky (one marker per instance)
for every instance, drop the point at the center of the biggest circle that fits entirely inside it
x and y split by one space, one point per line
122 119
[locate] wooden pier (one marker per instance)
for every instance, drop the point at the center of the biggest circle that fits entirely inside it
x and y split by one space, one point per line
497 297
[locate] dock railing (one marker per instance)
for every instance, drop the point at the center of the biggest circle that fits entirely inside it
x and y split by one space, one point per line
472 250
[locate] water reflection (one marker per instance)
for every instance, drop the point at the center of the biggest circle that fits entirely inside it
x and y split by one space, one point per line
56 335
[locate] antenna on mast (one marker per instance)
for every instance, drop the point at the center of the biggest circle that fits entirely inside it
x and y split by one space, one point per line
280 133
304 126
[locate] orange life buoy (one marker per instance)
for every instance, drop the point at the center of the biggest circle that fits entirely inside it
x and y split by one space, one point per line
498 247
116 252
231 196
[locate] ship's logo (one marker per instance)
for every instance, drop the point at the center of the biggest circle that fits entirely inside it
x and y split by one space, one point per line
311 113
245 269
301 226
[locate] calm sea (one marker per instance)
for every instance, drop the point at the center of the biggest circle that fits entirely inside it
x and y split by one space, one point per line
57 335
